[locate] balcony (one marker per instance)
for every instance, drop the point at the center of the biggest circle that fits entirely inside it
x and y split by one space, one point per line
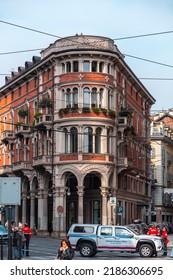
6 169
22 129
42 162
7 136
124 163
43 120
22 166
124 122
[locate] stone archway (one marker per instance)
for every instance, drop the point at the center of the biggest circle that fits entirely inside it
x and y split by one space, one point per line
71 199
92 198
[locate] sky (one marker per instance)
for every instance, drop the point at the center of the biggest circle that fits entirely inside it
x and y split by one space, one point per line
116 19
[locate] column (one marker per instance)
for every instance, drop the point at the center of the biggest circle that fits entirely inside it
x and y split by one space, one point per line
32 213
104 140
42 207
59 212
23 209
42 211
80 204
104 205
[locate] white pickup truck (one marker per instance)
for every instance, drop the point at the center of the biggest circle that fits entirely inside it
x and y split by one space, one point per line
89 239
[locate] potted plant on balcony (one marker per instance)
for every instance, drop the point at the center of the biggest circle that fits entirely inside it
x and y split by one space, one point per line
111 113
96 110
45 102
86 109
18 124
23 112
104 110
37 114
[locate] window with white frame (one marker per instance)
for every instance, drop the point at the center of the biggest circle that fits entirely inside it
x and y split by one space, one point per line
73 140
63 68
94 97
101 65
75 97
88 140
98 140
100 97
75 66
86 101
94 66
65 140
86 66
68 66
68 98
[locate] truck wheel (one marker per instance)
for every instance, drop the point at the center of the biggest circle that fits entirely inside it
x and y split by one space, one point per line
145 251
86 250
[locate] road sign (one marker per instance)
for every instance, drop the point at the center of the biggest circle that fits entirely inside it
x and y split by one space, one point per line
113 200
120 209
60 209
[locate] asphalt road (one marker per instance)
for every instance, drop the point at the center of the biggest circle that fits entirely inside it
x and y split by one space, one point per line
46 248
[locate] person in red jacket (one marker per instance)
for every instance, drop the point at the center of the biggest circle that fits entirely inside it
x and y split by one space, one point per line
27 233
153 230
164 240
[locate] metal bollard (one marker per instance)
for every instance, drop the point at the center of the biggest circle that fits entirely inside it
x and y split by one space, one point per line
1 248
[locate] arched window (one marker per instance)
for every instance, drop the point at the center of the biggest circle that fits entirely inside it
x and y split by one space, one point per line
68 98
75 97
88 140
98 140
65 140
73 140
94 97
100 97
86 101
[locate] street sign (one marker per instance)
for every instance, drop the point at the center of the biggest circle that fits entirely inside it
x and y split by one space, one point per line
60 209
113 200
120 209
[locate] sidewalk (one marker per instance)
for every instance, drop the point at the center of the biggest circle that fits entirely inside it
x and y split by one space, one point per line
170 238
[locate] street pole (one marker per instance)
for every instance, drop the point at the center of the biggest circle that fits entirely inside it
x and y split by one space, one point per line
9 233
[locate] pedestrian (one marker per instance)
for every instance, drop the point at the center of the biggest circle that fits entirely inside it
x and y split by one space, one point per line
153 230
159 230
27 234
65 252
164 241
17 244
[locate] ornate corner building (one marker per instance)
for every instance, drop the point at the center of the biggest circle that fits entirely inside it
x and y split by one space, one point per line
75 127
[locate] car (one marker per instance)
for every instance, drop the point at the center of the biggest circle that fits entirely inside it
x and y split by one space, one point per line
3 233
141 228
90 239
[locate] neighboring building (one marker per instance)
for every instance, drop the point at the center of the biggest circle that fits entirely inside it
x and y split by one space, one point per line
162 166
75 127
